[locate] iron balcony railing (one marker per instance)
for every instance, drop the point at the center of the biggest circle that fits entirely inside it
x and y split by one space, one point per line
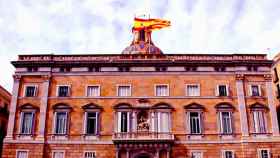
118 136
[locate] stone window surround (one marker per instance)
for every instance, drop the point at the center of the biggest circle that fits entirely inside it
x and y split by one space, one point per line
130 89
91 107
259 107
259 152
61 107
223 152
22 150
31 85
225 107
155 90
87 151
53 152
218 92
57 89
99 89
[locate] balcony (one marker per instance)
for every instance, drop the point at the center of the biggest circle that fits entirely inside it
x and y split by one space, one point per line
144 136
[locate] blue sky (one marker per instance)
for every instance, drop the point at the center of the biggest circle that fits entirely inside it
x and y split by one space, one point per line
104 26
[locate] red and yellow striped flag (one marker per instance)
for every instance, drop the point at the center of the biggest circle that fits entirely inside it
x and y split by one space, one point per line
151 24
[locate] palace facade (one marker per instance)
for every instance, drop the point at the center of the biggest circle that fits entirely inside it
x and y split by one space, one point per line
143 104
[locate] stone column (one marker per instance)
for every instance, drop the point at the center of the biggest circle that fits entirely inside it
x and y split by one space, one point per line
13 106
168 153
134 121
157 153
117 153
271 105
43 106
127 153
242 105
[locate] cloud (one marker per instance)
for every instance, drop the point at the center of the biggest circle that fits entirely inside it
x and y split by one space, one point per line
94 26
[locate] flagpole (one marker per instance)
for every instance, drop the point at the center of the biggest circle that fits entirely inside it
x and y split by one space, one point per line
150 39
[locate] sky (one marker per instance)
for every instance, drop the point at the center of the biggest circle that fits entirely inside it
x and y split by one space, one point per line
104 26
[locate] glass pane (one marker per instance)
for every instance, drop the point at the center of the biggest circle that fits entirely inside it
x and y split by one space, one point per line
124 122
91 123
222 90
27 123
61 123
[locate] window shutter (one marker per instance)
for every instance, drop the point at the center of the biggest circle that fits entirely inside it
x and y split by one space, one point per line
67 123
119 121
260 90
217 91
188 126
85 122
33 124
69 91
227 89
219 122
98 124
36 91
250 90
21 122
201 122
54 122
231 122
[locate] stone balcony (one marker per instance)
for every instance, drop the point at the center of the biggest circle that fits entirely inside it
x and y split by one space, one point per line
143 137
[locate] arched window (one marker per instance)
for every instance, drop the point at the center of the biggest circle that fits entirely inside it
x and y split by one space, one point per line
161 117
194 118
61 119
27 119
259 118
92 119
225 118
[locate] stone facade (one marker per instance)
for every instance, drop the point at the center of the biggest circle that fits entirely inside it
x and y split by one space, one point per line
177 141
5 98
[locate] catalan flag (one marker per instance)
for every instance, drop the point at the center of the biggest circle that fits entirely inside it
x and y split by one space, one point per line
151 24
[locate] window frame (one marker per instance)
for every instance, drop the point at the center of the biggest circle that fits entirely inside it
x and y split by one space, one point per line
35 90
218 90
264 119
186 90
251 90
33 113
97 121
120 85
53 152
67 122
221 129
224 153
22 150
93 85
88 151
261 149
155 90
196 151
200 122
69 90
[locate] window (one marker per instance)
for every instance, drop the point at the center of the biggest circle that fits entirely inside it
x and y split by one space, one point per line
64 69
190 68
222 90
161 69
89 154
91 123
195 122
259 121
220 69
124 69
123 121
63 91
30 91
255 90
163 119
61 122
22 154
27 121
58 154
32 69
93 91
227 154
94 69
252 68
161 90
225 122
263 153
196 154
124 91
193 90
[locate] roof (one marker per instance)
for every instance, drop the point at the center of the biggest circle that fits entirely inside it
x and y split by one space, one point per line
5 93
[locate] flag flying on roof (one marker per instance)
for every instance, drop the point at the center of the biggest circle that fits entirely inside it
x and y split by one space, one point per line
150 24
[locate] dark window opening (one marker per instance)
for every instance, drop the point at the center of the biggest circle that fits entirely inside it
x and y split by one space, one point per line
142 35
220 69
94 69
124 122
124 69
30 91
161 68
91 123
65 69
252 68
222 90
278 91
32 69
190 68
278 116
63 91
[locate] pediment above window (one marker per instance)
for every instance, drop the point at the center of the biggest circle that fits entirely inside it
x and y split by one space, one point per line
62 106
162 106
92 106
28 106
224 106
123 106
258 106
194 106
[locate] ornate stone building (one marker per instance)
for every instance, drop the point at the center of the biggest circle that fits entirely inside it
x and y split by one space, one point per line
5 98
143 104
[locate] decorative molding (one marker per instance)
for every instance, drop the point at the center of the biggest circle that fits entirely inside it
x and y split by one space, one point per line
17 77
239 76
268 77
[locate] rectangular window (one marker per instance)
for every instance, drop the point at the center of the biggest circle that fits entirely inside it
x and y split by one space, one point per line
30 91
264 153
27 119
259 121
228 154
124 91
163 122
58 154
63 91
255 90
89 154
161 90
195 124
196 154
93 91
61 122
193 90
222 90
225 122
91 123
22 154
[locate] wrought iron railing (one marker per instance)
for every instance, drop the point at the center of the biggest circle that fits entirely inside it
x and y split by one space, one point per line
143 136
